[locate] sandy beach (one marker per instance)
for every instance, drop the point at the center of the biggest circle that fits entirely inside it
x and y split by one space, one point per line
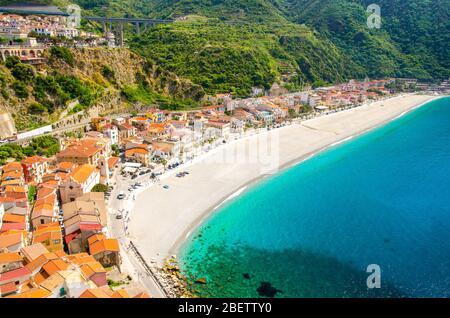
162 219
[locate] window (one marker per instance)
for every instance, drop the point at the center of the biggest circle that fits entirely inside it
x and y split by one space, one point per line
56 242
42 221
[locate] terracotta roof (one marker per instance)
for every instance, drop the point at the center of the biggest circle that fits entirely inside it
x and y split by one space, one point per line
39 262
91 227
92 268
33 160
13 218
133 151
94 293
82 149
55 266
12 166
96 237
142 295
12 226
103 246
66 165
15 189
33 293
16 273
8 288
113 161
32 252
82 173
52 282
10 258
120 294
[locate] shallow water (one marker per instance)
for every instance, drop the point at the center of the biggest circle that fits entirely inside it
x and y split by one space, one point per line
311 231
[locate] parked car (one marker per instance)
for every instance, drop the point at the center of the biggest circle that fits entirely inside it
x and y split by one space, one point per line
121 195
166 187
119 215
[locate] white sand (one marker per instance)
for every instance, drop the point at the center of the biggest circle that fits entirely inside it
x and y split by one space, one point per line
162 219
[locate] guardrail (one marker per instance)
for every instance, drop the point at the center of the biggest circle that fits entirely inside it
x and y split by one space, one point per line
148 269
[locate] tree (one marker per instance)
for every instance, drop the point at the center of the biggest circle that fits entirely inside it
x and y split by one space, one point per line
100 188
292 113
12 61
23 72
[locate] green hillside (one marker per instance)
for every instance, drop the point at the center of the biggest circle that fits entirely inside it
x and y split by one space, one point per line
233 45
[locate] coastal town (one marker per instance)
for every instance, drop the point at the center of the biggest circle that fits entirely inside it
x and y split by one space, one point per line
64 217
56 236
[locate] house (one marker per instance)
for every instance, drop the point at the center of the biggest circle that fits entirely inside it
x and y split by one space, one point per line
104 250
54 284
17 276
34 168
12 174
10 261
50 236
32 252
111 132
15 206
75 284
126 130
218 128
95 272
92 203
80 181
13 242
141 123
86 151
156 130
45 211
80 228
139 155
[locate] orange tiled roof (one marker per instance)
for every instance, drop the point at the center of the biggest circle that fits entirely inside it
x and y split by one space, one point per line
134 151
33 160
120 294
41 261
10 258
82 149
92 268
13 166
13 218
142 295
10 240
15 189
103 246
94 293
113 161
32 293
96 237
82 173
66 165
55 266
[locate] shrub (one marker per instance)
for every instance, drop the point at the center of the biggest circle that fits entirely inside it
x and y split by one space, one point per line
63 54
100 188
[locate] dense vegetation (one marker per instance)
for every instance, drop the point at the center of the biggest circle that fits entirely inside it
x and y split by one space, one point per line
46 146
234 45
245 43
222 57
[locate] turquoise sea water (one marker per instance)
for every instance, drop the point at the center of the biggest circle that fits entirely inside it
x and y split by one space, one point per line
311 231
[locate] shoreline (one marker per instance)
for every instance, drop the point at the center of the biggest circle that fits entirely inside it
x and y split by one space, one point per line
198 216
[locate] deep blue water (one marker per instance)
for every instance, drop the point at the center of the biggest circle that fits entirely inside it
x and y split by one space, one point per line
311 231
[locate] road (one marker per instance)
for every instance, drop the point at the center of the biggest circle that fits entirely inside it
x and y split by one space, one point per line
117 229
